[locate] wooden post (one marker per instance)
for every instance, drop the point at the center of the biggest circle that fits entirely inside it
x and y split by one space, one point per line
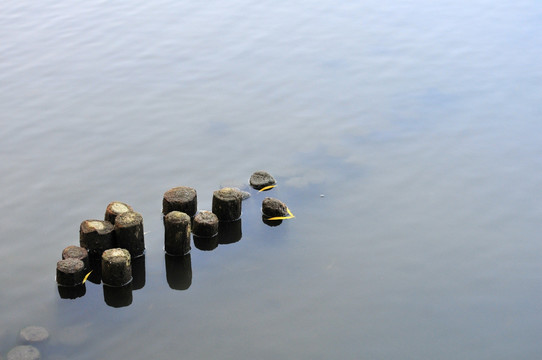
227 204
177 233
114 209
129 233
182 198
116 267
70 272
205 224
96 236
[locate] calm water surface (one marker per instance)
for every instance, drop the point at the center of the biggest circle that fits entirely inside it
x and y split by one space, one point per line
418 121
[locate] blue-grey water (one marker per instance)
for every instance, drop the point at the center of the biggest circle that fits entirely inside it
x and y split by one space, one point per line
405 137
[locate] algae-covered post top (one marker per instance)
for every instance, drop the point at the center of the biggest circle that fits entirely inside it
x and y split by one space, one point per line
116 267
76 252
114 209
227 204
261 179
182 198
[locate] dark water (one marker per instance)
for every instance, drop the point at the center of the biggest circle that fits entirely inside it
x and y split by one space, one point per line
418 121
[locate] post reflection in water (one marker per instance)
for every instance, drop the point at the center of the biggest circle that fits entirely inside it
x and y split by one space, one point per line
138 272
179 271
95 264
72 292
271 223
229 232
205 243
118 296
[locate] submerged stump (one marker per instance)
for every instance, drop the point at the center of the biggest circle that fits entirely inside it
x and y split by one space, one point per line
114 209
205 224
129 232
182 198
76 252
24 352
227 204
116 267
70 272
33 334
96 236
177 233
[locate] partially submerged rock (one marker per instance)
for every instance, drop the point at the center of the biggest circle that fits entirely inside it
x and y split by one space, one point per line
261 179
272 207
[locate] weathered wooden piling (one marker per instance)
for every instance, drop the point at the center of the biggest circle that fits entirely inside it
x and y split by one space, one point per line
33 334
182 198
114 209
70 272
116 267
179 271
24 352
272 207
177 233
205 224
129 233
96 236
76 252
261 179
227 204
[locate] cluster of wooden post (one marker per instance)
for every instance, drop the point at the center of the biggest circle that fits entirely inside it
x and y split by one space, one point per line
118 240
115 241
181 219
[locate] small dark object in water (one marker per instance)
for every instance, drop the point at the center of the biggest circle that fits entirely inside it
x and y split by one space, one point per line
24 352
261 179
205 224
182 198
96 236
227 204
129 233
70 272
114 209
177 233
76 252
272 207
33 334
116 267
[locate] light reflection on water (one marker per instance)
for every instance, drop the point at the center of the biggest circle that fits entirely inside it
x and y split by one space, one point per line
418 122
